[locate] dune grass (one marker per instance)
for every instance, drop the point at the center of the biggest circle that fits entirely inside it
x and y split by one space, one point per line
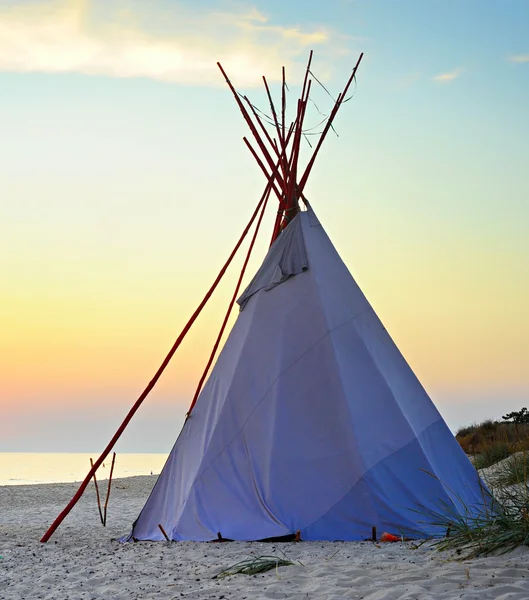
501 523
254 566
492 454
488 532
511 472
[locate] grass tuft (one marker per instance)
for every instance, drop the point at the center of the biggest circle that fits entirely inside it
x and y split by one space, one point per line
253 566
491 455
500 525
511 472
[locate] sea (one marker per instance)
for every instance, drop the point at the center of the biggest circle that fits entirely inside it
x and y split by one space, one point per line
27 468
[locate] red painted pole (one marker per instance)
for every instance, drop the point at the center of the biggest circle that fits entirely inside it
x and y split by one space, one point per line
262 166
280 134
283 203
230 307
261 125
152 383
248 120
306 75
292 206
283 101
337 105
282 199
289 204
274 175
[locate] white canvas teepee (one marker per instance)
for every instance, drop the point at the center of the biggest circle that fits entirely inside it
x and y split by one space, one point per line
311 420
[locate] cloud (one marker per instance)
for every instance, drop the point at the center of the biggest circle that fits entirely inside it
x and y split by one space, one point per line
448 76
165 40
519 58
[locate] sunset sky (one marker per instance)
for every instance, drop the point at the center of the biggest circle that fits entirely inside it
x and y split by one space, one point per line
124 184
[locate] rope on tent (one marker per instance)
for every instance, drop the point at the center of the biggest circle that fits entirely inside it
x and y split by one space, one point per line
267 118
321 84
158 373
230 307
339 102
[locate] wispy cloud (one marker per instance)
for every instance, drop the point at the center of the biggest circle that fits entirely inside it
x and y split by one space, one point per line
159 39
519 58
448 76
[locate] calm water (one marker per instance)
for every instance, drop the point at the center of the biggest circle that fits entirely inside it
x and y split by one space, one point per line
24 468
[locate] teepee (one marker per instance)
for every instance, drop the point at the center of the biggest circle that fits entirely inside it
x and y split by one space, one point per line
311 422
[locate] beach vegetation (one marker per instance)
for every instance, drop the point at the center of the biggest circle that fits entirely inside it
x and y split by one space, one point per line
491 441
499 451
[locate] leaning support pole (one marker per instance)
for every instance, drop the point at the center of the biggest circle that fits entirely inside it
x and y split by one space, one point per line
251 125
108 490
230 306
163 532
262 166
98 496
292 206
335 109
283 141
153 382
288 206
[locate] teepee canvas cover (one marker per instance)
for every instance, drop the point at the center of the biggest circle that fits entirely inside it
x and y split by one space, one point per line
311 420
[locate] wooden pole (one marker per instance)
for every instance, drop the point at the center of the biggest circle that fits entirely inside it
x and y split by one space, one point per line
297 538
290 203
152 383
280 154
163 532
248 120
261 125
263 168
328 125
108 489
228 312
305 92
97 495
280 133
283 100
283 203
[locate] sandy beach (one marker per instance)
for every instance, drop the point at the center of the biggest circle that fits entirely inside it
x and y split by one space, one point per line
83 560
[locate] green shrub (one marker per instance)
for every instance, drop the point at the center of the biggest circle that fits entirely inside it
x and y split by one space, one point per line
491 455
488 425
464 431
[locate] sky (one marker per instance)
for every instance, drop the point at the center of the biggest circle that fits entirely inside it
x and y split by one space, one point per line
124 184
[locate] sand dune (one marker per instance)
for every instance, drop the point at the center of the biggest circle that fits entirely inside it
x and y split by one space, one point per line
84 561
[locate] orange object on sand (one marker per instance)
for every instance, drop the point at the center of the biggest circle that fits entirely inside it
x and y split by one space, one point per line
389 537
